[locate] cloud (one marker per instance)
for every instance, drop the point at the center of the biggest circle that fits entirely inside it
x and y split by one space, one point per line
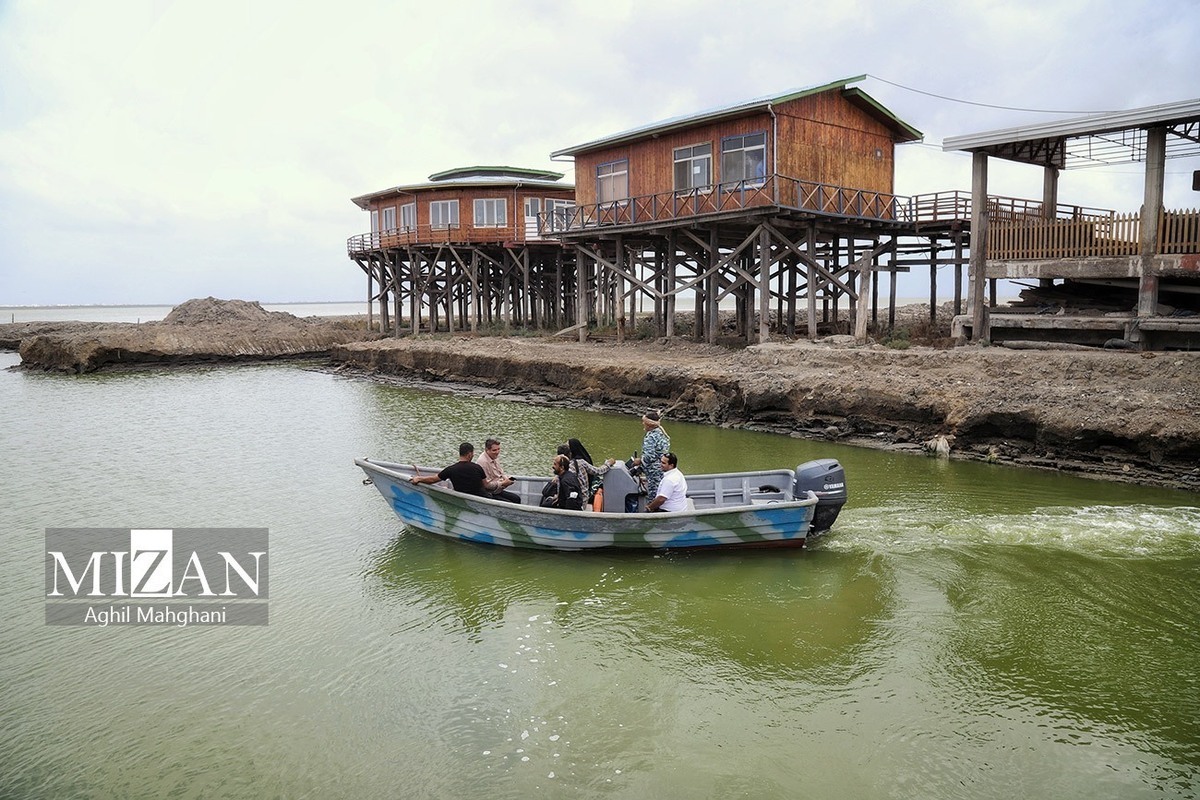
154 151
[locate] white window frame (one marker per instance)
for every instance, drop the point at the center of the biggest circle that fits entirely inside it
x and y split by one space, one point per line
443 214
491 212
612 181
389 218
559 212
734 160
374 221
408 217
692 158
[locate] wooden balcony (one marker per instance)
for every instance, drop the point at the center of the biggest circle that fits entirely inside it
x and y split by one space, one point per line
775 191
522 232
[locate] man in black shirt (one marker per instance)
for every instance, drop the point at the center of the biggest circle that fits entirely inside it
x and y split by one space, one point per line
563 490
464 475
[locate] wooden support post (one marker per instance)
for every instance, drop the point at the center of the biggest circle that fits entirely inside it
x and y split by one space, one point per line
764 285
668 288
581 293
864 289
370 297
933 267
619 289
712 308
396 299
813 278
958 272
526 295
892 291
476 300
414 295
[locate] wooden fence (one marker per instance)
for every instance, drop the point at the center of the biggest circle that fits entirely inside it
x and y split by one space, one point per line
1032 238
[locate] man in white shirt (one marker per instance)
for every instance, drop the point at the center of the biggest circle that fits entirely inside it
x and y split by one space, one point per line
672 491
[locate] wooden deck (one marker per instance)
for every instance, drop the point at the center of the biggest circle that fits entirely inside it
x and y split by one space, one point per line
423 235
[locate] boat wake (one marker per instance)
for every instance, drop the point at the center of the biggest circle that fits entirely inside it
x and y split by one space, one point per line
1103 530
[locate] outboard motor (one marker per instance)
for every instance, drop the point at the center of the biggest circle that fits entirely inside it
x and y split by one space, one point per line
827 479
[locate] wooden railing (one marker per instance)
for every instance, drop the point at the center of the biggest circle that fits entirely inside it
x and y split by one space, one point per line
1017 228
1034 238
771 190
428 234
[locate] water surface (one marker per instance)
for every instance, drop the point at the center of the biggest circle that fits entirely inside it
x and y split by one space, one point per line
967 630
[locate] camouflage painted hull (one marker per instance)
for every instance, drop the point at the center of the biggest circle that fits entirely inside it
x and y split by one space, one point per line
444 512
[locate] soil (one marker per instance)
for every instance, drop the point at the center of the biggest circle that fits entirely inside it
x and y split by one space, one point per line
1118 415
1124 416
201 330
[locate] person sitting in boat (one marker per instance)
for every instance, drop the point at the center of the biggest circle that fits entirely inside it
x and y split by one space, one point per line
672 490
496 480
654 444
563 490
464 475
590 476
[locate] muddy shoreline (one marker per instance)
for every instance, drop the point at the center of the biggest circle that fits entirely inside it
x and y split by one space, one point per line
1113 416
1121 416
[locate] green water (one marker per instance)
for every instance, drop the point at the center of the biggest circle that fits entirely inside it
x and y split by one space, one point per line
967 631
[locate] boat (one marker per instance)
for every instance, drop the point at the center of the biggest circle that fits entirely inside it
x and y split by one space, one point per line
769 508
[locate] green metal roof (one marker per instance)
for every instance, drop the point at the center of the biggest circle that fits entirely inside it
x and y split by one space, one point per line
905 132
496 172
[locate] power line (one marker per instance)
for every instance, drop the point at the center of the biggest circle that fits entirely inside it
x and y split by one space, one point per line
984 105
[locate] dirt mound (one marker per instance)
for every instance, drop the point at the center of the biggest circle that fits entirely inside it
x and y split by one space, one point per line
198 331
210 310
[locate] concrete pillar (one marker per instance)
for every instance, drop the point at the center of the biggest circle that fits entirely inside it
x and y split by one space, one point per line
1152 204
977 271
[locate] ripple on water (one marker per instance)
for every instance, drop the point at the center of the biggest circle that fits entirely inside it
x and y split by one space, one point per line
1116 531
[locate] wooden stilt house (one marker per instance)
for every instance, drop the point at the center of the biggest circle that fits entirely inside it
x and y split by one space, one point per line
759 204
463 249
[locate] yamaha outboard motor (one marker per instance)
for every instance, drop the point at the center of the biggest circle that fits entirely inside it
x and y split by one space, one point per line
827 479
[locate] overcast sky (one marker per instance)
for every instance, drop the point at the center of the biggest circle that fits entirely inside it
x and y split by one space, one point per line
151 152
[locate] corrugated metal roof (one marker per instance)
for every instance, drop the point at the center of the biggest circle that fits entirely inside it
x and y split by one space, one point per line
906 131
1112 137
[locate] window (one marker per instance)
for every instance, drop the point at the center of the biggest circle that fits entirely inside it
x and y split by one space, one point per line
693 167
558 212
612 181
491 212
408 217
533 206
374 221
744 158
389 218
443 213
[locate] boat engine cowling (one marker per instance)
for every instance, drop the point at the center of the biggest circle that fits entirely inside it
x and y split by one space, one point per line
826 478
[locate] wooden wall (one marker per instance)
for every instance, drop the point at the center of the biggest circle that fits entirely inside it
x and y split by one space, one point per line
827 139
823 138
466 195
